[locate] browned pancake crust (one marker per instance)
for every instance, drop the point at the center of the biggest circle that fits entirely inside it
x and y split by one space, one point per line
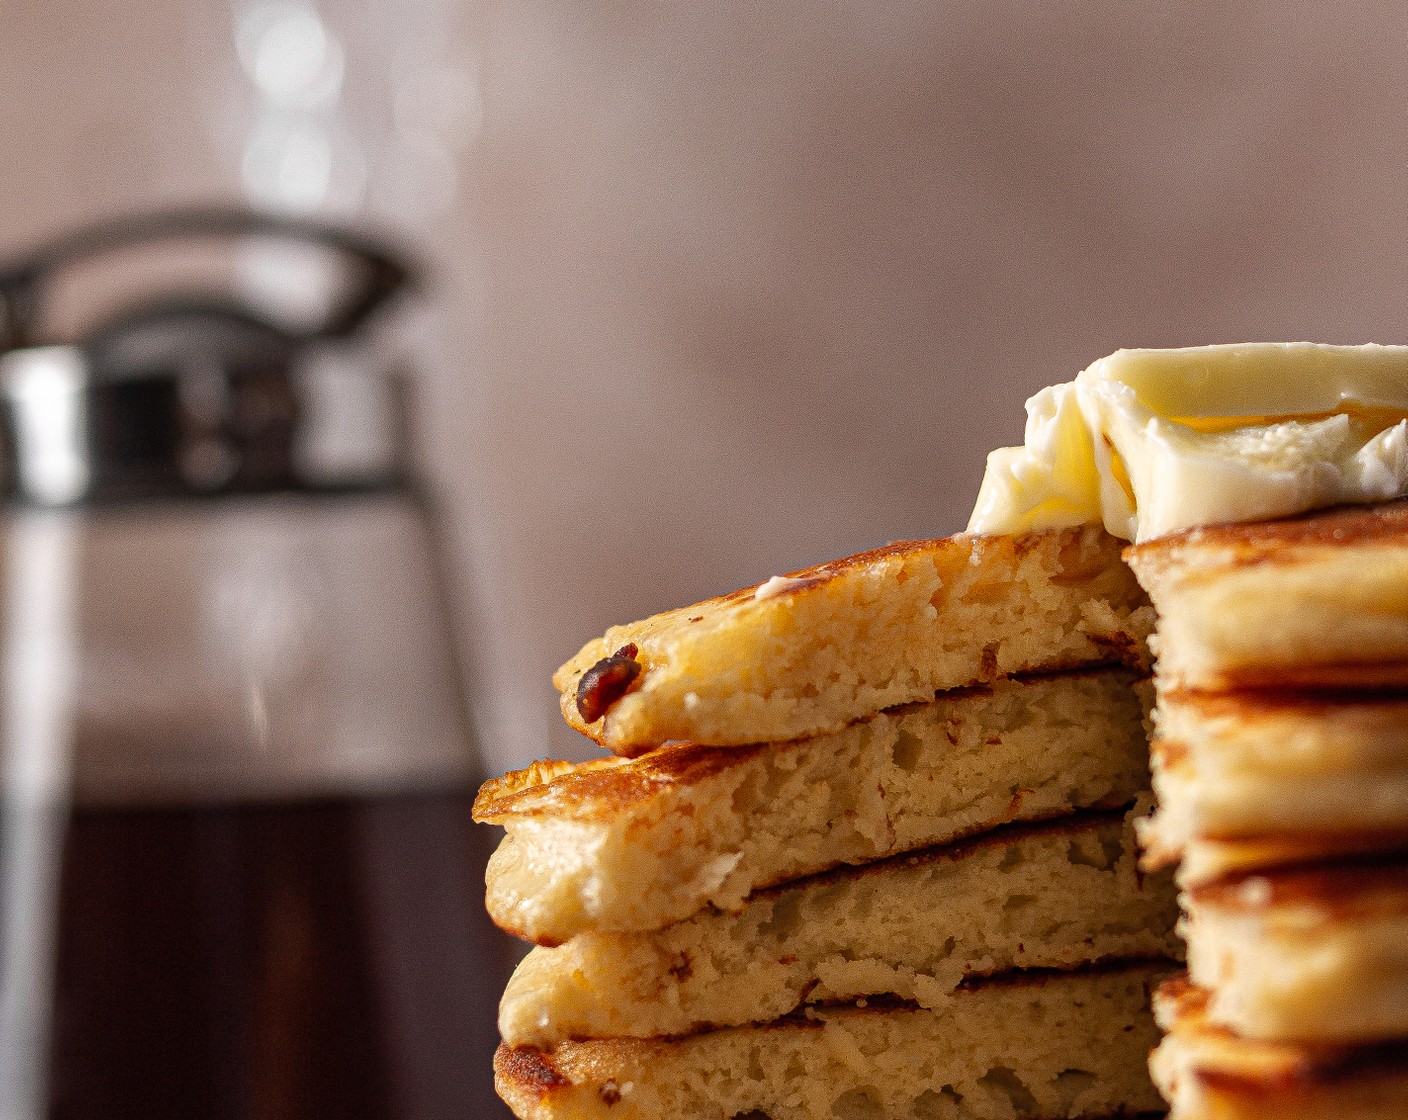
1207 555
1309 703
1267 1070
528 1069
1263 853
602 788
1354 676
1251 543
1359 888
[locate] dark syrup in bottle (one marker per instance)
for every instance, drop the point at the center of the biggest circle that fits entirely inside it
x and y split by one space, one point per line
325 959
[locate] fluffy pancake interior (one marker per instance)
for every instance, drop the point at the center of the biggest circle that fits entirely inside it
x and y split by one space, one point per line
637 846
846 639
1053 895
1042 1046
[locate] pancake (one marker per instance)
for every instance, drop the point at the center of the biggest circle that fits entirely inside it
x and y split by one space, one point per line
1022 1047
625 846
1208 860
1315 953
809 653
1055 895
1209 1073
1314 601
1237 766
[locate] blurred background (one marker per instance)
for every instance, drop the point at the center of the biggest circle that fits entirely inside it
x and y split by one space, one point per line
708 292
718 291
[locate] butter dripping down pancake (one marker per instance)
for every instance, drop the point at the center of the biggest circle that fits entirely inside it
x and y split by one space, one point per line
1314 601
1029 1046
619 845
1052 895
809 653
1209 1073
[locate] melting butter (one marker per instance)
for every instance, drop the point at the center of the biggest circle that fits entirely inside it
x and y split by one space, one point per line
1153 441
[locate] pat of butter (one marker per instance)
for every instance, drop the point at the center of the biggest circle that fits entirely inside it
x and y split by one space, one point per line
1153 441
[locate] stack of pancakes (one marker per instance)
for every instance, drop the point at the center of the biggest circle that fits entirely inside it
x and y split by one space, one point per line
1281 767
861 851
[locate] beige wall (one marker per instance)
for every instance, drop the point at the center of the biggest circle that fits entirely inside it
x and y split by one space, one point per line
728 289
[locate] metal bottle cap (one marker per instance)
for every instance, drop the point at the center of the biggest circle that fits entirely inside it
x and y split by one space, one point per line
70 436
201 396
